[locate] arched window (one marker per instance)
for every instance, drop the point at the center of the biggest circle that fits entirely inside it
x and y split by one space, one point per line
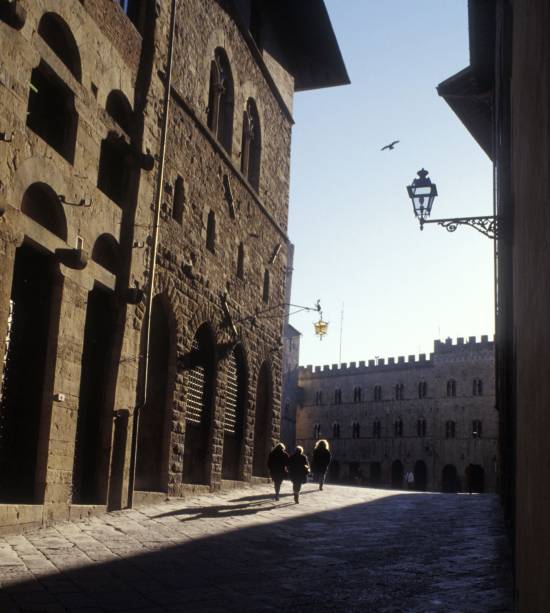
211 232
421 427
335 430
399 389
221 100
356 394
57 35
451 388
106 253
41 204
51 112
476 428
450 429
316 431
240 261
120 111
477 387
355 430
234 416
251 148
398 428
318 397
376 429
377 392
135 10
179 200
422 389
265 293
337 396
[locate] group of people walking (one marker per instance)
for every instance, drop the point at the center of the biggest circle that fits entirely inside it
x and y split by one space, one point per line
296 467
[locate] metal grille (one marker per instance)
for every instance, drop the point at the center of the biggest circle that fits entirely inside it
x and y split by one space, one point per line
195 391
232 395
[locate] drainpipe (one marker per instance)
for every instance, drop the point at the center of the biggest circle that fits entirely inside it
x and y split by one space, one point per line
153 260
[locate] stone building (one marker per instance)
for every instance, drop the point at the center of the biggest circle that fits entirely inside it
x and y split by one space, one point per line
502 98
144 176
434 416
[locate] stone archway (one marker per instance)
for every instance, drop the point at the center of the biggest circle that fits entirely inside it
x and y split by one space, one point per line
397 474
475 478
449 479
262 422
420 476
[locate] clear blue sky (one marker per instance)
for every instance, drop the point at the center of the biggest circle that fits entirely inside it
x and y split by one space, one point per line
356 239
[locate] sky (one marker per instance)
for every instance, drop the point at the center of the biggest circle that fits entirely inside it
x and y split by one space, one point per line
357 243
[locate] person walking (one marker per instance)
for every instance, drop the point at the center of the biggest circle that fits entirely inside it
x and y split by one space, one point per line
320 461
410 480
298 470
277 462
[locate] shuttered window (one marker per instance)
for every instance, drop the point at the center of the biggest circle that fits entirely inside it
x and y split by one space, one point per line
195 391
232 395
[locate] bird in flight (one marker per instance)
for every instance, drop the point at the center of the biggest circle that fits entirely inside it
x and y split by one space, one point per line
390 146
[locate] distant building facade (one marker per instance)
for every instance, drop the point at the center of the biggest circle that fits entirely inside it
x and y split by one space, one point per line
431 416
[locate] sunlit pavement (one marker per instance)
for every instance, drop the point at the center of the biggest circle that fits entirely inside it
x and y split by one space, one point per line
343 549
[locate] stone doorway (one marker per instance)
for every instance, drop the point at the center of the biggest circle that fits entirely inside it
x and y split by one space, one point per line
397 474
375 474
420 476
476 478
262 425
94 421
29 363
449 479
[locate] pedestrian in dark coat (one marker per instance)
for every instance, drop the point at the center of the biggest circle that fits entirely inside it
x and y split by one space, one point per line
277 462
298 470
320 461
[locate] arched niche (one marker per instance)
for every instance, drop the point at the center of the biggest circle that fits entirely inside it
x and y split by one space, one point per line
41 204
120 110
106 253
58 36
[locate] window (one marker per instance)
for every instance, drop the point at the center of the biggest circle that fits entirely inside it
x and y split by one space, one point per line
179 200
399 391
251 147
114 168
477 386
51 112
316 431
318 397
335 430
450 429
421 427
240 265
398 428
355 430
377 392
134 9
337 396
265 293
120 111
376 429
451 388
221 100
422 389
57 35
357 394
476 428
211 232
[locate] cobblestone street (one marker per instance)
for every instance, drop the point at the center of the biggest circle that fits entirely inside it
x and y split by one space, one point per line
343 549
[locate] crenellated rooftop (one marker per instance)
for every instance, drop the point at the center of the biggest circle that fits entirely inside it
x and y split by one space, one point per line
445 348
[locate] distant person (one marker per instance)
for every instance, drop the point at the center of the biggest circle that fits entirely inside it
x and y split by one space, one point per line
320 461
277 463
298 470
410 479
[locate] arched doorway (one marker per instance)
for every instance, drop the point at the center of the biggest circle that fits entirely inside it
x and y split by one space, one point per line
91 458
397 474
201 390
449 479
334 471
375 478
476 478
235 405
420 476
262 424
154 433
28 369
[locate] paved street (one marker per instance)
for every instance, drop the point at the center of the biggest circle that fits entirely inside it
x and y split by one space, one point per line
343 549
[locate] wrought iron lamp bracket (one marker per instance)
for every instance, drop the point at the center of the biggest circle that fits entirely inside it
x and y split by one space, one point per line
485 224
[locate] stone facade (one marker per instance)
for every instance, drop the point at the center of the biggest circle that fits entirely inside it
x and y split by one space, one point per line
434 416
116 366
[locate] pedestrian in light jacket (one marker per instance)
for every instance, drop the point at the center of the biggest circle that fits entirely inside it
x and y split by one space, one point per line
277 462
298 470
320 461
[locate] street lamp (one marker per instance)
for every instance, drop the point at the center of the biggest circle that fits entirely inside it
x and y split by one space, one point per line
422 192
